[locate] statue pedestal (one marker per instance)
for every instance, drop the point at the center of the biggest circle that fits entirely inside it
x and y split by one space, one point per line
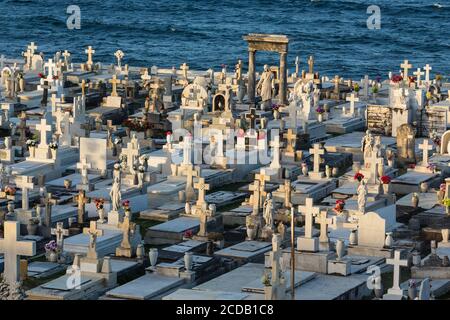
85 187
114 218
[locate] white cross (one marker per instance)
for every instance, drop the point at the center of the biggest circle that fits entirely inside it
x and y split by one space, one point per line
352 99
418 74
24 184
309 211
366 86
60 232
425 147
317 152
28 55
119 55
275 164
84 166
131 153
50 65
324 222
406 66
13 249
397 263
32 47
427 69
43 128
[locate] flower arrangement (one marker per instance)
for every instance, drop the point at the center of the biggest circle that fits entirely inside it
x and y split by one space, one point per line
10 191
40 75
396 78
411 79
385 179
241 133
141 169
431 167
34 221
31 143
429 95
99 202
339 206
375 89
446 202
188 234
437 141
117 141
53 145
261 135
275 107
320 110
51 246
265 280
356 87
412 166
358 176
126 205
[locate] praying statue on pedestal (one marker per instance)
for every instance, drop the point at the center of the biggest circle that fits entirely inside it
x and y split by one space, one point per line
362 196
264 87
268 211
367 144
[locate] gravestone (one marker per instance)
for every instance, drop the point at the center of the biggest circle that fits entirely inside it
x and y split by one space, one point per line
406 144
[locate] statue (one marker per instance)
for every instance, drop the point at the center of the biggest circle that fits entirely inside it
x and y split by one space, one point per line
307 100
265 86
116 195
362 194
316 97
367 144
268 211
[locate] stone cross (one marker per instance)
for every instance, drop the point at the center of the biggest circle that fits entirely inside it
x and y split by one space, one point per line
291 140
257 191
114 81
32 48
406 66
66 55
12 249
83 86
190 173
397 263
202 187
51 67
184 67
119 55
427 69
89 51
93 233
297 64
131 152
60 232
418 74
352 99
324 222
24 183
309 211
48 202
252 117
81 201
84 166
317 152
28 55
44 128
425 147
336 81
311 64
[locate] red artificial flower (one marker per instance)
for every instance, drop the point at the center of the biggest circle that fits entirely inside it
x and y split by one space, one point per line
55 77
168 133
396 78
188 234
412 166
340 202
126 203
385 179
40 75
358 176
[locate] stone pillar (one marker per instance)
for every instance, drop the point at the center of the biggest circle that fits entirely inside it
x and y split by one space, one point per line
283 78
251 76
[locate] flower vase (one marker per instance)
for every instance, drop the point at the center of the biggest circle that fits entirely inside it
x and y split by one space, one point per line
153 256
32 229
340 248
353 239
320 117
328 171
188 261
305 170
415 200
53 153
32 152
53 256
389 241
101 215
386 188
412 292
423 187
251 232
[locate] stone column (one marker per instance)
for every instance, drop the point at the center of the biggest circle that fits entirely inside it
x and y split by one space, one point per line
283 78
251 76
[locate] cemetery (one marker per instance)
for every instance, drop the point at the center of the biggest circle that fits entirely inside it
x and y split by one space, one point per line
121 182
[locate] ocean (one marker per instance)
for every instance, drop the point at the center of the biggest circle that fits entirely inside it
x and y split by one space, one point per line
208 33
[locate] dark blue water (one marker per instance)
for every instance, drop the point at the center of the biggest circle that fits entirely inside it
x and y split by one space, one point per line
209 33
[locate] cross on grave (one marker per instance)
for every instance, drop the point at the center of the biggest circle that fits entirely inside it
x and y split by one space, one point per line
375 161
275 144
44 128
50 66
81 202
309 211
131 153
89 51
297 65
48 202
317 151
202 187
252 117
336 81
84 166
66 137
24 183
184 67
418 74
291 140
60 232
28 55
311 64
257 191
427 69
83 86
324 222
66 54
187 145
93 233
114 81
191 172
32 47
12 249
405 66
119 55
397 263
110 128
352 99
425 147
